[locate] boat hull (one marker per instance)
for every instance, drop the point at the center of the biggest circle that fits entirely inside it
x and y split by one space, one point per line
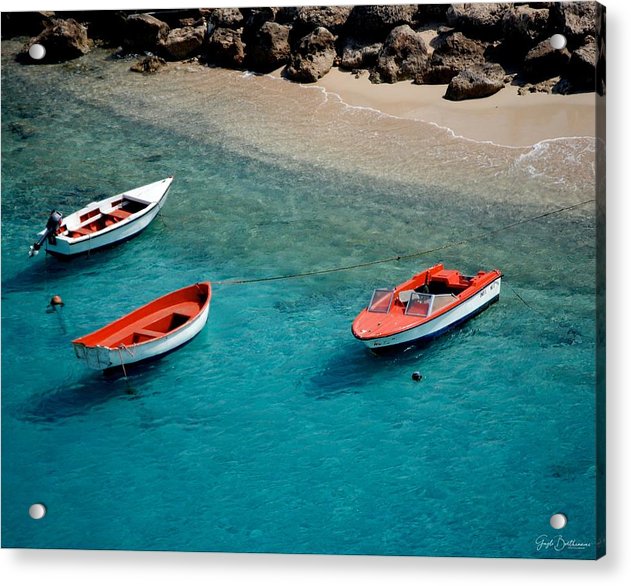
104 357
441 323
117 233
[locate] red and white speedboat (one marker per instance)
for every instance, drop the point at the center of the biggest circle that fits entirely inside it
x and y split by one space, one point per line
151 330
424 307
104 223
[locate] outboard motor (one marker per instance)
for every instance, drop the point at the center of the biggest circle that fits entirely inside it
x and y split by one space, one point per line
52 225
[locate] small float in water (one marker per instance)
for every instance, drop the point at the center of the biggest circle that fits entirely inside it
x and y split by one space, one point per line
104 223
149 331
425 306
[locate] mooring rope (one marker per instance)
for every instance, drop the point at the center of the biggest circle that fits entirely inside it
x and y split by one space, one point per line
229 282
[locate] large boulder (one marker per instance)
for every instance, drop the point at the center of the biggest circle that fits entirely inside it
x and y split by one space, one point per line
358 55
313 57
333 18
225 47
144 32
525 26
475 83
480 21
574 19
269 48
62 39
376 22
453 53
544 62
456 48
254 19
180 18
224 18
581 71
183 43
433 13
403 56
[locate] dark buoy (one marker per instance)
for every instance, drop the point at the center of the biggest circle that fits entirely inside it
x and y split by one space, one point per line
417 376
55 302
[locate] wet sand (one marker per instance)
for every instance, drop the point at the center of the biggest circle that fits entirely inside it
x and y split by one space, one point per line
505 118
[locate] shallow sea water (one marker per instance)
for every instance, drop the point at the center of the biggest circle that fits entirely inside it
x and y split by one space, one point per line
274 430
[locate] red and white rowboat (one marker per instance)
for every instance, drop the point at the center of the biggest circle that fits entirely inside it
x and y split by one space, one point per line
151 330
104 223
424 307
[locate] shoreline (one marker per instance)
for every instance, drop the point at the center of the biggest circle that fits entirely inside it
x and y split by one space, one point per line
504 119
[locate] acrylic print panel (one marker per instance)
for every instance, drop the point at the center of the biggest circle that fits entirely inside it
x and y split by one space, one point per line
248 177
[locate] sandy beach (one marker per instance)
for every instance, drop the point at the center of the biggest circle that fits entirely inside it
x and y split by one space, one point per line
505 118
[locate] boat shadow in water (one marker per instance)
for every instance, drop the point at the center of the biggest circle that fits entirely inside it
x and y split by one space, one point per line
74 399
42 274
94 389
36 278
353 370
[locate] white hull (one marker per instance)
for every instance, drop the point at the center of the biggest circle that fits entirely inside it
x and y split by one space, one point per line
443 322
154 194
101 357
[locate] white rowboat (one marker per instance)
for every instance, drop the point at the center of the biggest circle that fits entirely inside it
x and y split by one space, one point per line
104 223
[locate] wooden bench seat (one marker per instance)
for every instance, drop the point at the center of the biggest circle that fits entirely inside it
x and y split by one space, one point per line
119 214
82 231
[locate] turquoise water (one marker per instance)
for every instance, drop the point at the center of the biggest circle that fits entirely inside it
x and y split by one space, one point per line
274 430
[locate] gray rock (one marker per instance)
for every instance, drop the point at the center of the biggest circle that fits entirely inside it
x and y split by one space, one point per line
480 21
357 55
180 18
269 49
225 47
313 58
376 22
224 18
144 32
403 56
183 43
525 26
582 67
453 53
431 13
255 18
574 19
475 83
543 62
455 48
333 18
62 39
286 15
437 74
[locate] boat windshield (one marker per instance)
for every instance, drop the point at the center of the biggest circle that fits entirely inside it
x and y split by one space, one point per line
420 304
381 300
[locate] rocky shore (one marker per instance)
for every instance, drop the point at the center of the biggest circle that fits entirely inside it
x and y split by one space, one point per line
474 49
